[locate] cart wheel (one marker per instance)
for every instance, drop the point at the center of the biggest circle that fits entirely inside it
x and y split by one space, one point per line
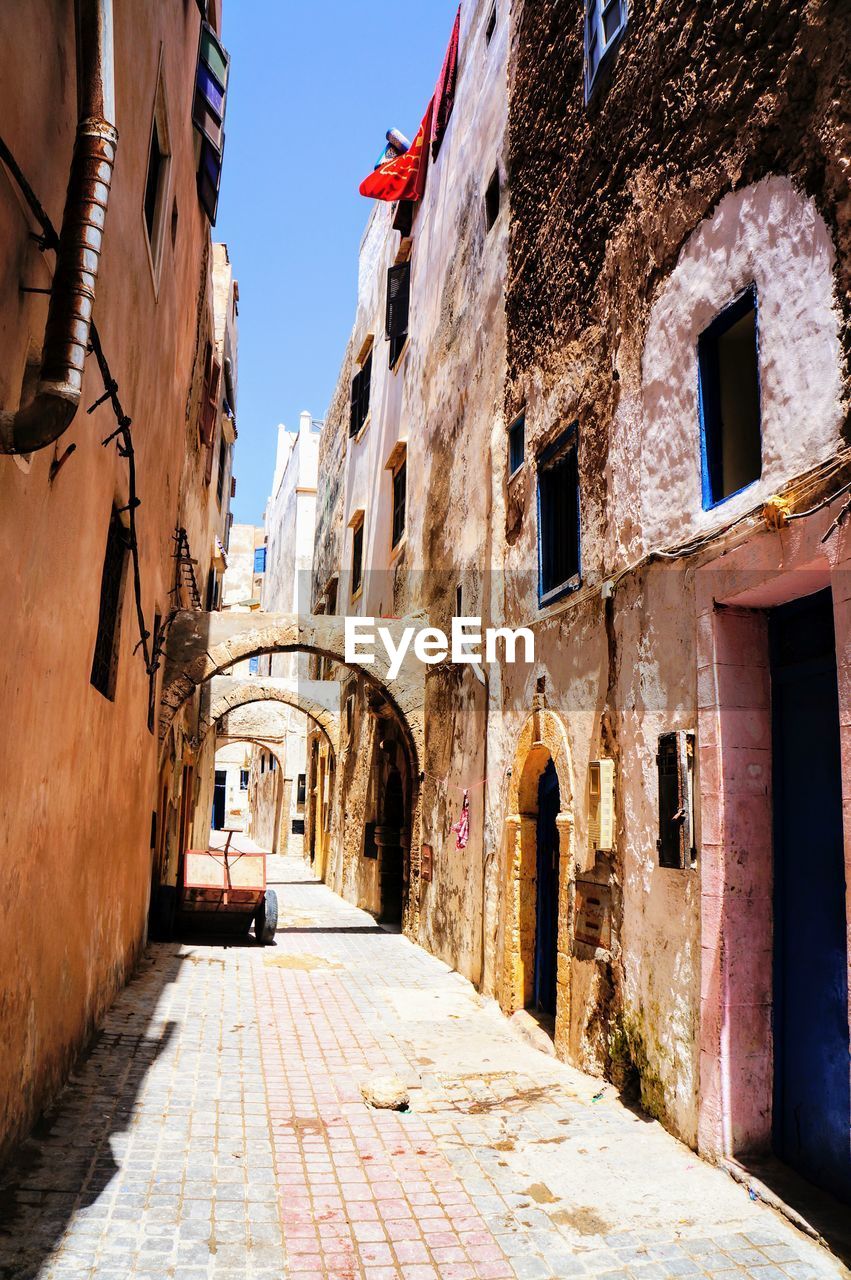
266 918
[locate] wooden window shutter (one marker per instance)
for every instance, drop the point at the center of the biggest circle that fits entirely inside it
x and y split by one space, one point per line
675 766
398 299
365 385
210 406
354 409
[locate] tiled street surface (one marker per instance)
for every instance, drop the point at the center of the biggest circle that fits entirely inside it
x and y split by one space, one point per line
218 1129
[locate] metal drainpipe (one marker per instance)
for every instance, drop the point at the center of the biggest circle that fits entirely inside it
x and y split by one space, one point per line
38 424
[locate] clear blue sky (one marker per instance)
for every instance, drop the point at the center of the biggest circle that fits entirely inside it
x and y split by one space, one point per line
313 88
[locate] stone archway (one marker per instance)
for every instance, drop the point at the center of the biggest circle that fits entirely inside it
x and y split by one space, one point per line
543 739
203 646
229 695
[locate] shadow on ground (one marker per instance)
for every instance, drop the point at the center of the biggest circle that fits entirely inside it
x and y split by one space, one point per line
68 1161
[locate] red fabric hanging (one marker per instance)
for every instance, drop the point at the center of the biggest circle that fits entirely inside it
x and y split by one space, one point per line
404 177
462 826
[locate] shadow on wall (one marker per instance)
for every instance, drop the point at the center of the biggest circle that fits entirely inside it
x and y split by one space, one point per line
67 1166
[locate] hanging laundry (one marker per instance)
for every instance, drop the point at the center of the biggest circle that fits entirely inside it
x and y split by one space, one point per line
403 177
462 826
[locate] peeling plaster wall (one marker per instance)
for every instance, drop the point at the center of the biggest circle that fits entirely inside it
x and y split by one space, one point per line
75 828
713 153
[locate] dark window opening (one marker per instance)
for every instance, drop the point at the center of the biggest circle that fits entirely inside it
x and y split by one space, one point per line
728 360
298 826
357 558
223 462
398 307
491 27
243 779
370 848
516 444
558 521
492 198
156 166
399 494
262 761
459 597
301 789
105 660
359 410
675 765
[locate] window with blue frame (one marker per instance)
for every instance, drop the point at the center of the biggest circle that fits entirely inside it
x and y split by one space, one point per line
516 444
559 563
260 560
253 666
730 428
605 23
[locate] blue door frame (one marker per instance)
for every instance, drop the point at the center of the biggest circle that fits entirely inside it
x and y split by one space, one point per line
811 1107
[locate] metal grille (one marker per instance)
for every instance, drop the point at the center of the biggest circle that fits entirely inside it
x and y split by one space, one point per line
105 656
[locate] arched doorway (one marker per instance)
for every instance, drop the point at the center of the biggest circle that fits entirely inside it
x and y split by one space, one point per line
536 925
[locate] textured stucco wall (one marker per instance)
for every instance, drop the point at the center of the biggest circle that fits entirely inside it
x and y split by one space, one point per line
75 829
710 156
444 399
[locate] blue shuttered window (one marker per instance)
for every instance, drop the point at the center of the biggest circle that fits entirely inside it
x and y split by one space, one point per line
605 22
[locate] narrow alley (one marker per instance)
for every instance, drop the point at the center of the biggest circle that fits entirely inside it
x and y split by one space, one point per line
218 1129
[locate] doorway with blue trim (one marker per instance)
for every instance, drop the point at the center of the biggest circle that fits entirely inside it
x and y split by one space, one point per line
812 1109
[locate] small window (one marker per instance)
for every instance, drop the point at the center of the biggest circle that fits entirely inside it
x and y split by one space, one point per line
370 847
359 410
731 437
558 519
243 779
675 766
210 397
262 761
273 763
350 716
516 444
105 660
223 465
260 560
492 197
157 179
605 22
357 558
491 27
400 484
459 600
254 666
398 307
301 789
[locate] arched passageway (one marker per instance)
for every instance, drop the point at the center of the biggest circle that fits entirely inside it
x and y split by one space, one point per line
201 650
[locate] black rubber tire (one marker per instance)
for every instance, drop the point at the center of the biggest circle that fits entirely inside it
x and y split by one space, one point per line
266 919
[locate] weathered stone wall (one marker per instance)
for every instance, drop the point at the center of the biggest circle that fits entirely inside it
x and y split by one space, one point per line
712 154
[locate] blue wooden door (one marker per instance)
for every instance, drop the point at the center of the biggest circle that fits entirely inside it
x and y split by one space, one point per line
546 916
811 1086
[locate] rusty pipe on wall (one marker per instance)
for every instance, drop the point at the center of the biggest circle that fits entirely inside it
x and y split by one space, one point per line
43 420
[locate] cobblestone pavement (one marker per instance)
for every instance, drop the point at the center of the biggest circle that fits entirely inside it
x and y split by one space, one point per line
217 1130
